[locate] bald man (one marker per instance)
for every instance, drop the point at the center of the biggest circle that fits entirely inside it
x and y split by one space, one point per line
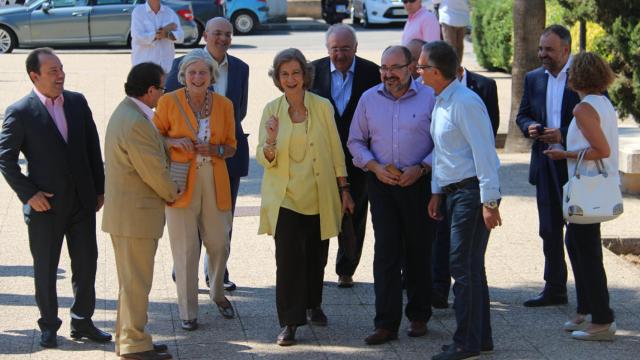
232 70
415 47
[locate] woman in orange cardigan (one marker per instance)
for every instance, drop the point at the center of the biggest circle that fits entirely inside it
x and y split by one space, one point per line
199 130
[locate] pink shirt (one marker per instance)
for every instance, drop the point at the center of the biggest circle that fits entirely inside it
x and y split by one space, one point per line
422 25
55 107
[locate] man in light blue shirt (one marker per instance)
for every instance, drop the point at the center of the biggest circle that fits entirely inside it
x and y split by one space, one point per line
341 85
465 168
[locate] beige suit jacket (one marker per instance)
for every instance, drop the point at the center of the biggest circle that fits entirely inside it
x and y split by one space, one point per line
138 182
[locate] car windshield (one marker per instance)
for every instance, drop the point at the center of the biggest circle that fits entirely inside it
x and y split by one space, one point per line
31 2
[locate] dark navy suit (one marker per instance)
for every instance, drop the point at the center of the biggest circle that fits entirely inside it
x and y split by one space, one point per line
238 93
547 175
71 170
365 76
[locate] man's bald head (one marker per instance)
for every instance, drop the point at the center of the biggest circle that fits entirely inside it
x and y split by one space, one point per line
415 47
217 35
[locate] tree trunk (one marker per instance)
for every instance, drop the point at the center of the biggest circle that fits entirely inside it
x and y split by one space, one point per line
528 23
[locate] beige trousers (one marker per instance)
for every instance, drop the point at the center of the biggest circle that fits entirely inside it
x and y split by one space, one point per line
200 217
134 263
454 35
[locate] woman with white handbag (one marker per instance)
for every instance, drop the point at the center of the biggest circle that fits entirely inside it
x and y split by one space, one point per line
592 158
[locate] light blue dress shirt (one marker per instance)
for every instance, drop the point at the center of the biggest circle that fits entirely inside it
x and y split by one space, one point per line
341 86
464 143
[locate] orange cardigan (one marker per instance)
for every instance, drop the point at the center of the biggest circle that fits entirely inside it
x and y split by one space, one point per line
170 123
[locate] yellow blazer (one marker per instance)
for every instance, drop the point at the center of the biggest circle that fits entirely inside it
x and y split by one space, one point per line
328 163
171 123
137 182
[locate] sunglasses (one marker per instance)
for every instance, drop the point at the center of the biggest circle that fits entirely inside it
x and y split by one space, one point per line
408 1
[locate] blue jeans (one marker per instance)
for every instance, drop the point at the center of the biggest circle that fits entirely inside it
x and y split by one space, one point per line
469 238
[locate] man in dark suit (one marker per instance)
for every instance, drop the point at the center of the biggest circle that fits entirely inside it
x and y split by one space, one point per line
487 91
232 82
62 192
544 116
342 77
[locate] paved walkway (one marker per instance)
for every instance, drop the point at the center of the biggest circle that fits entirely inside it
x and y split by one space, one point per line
514 269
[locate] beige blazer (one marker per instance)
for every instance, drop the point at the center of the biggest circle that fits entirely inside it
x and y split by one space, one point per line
328 163
137 183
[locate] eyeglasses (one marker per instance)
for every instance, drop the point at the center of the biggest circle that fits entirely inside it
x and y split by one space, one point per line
344 49
408 1
392 68
164 90
421 68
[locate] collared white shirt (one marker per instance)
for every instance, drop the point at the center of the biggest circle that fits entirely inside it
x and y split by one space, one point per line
220 85
148 112
144 46
341 86
555 93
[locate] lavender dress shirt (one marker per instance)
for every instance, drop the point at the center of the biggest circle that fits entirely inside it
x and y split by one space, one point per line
391 130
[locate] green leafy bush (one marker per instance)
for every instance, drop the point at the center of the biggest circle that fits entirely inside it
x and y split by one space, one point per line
492 33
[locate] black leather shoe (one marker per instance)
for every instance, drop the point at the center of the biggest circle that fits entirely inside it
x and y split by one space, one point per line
85 328
417 328
439 301
160 347
317 317
483 348
229 285
48 339
544 299
345 281
288 336
455 353
380 336
189 325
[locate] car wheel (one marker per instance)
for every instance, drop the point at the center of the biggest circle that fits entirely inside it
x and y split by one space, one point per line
243 22
7 40
365 18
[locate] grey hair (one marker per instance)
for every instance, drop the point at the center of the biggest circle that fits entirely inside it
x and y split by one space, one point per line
337 27
193 57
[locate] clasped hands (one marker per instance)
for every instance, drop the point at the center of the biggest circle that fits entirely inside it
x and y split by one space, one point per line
203 149
408 177
165 31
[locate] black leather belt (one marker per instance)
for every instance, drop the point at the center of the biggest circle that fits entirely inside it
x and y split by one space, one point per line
460 185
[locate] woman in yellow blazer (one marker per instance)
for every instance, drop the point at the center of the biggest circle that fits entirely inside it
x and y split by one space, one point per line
304 190
199 129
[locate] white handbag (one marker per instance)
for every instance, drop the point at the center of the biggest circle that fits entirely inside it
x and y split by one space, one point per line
591 199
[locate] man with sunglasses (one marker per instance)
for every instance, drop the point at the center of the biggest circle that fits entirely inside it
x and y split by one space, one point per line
421 23
342 77
390 139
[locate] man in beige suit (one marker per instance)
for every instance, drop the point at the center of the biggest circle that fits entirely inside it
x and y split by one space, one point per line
138 185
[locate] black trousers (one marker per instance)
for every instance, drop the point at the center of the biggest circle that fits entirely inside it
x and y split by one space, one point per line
440 253
299 265
46 233
346 265
403 235
549 199
585 253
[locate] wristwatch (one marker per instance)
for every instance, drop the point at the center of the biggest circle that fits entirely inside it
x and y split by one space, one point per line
220 150
492 204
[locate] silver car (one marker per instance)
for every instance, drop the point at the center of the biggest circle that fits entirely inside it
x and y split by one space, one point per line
78 23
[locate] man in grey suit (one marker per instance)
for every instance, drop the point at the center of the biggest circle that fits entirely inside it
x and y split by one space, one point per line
61 192
138 184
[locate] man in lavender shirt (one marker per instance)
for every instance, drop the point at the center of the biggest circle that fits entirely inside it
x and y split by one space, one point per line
390 138
421 24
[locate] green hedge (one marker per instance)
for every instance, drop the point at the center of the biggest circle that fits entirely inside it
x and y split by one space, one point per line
492 33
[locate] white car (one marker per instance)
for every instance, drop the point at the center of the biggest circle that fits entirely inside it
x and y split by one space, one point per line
370 12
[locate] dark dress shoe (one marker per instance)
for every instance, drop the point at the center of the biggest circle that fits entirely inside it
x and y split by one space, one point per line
288 336
226 309
229 285
417 328
455 353
160 347
48 339
317 317
483 348
380 336
189 325
439 301
85 328
147 355
544 299
345 281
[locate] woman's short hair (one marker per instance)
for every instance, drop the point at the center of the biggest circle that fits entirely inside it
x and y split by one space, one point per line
590 73
193 57
287 55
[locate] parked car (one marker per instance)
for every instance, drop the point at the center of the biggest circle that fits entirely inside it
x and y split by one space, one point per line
78 23
203 10
334 11
370 12
246 15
